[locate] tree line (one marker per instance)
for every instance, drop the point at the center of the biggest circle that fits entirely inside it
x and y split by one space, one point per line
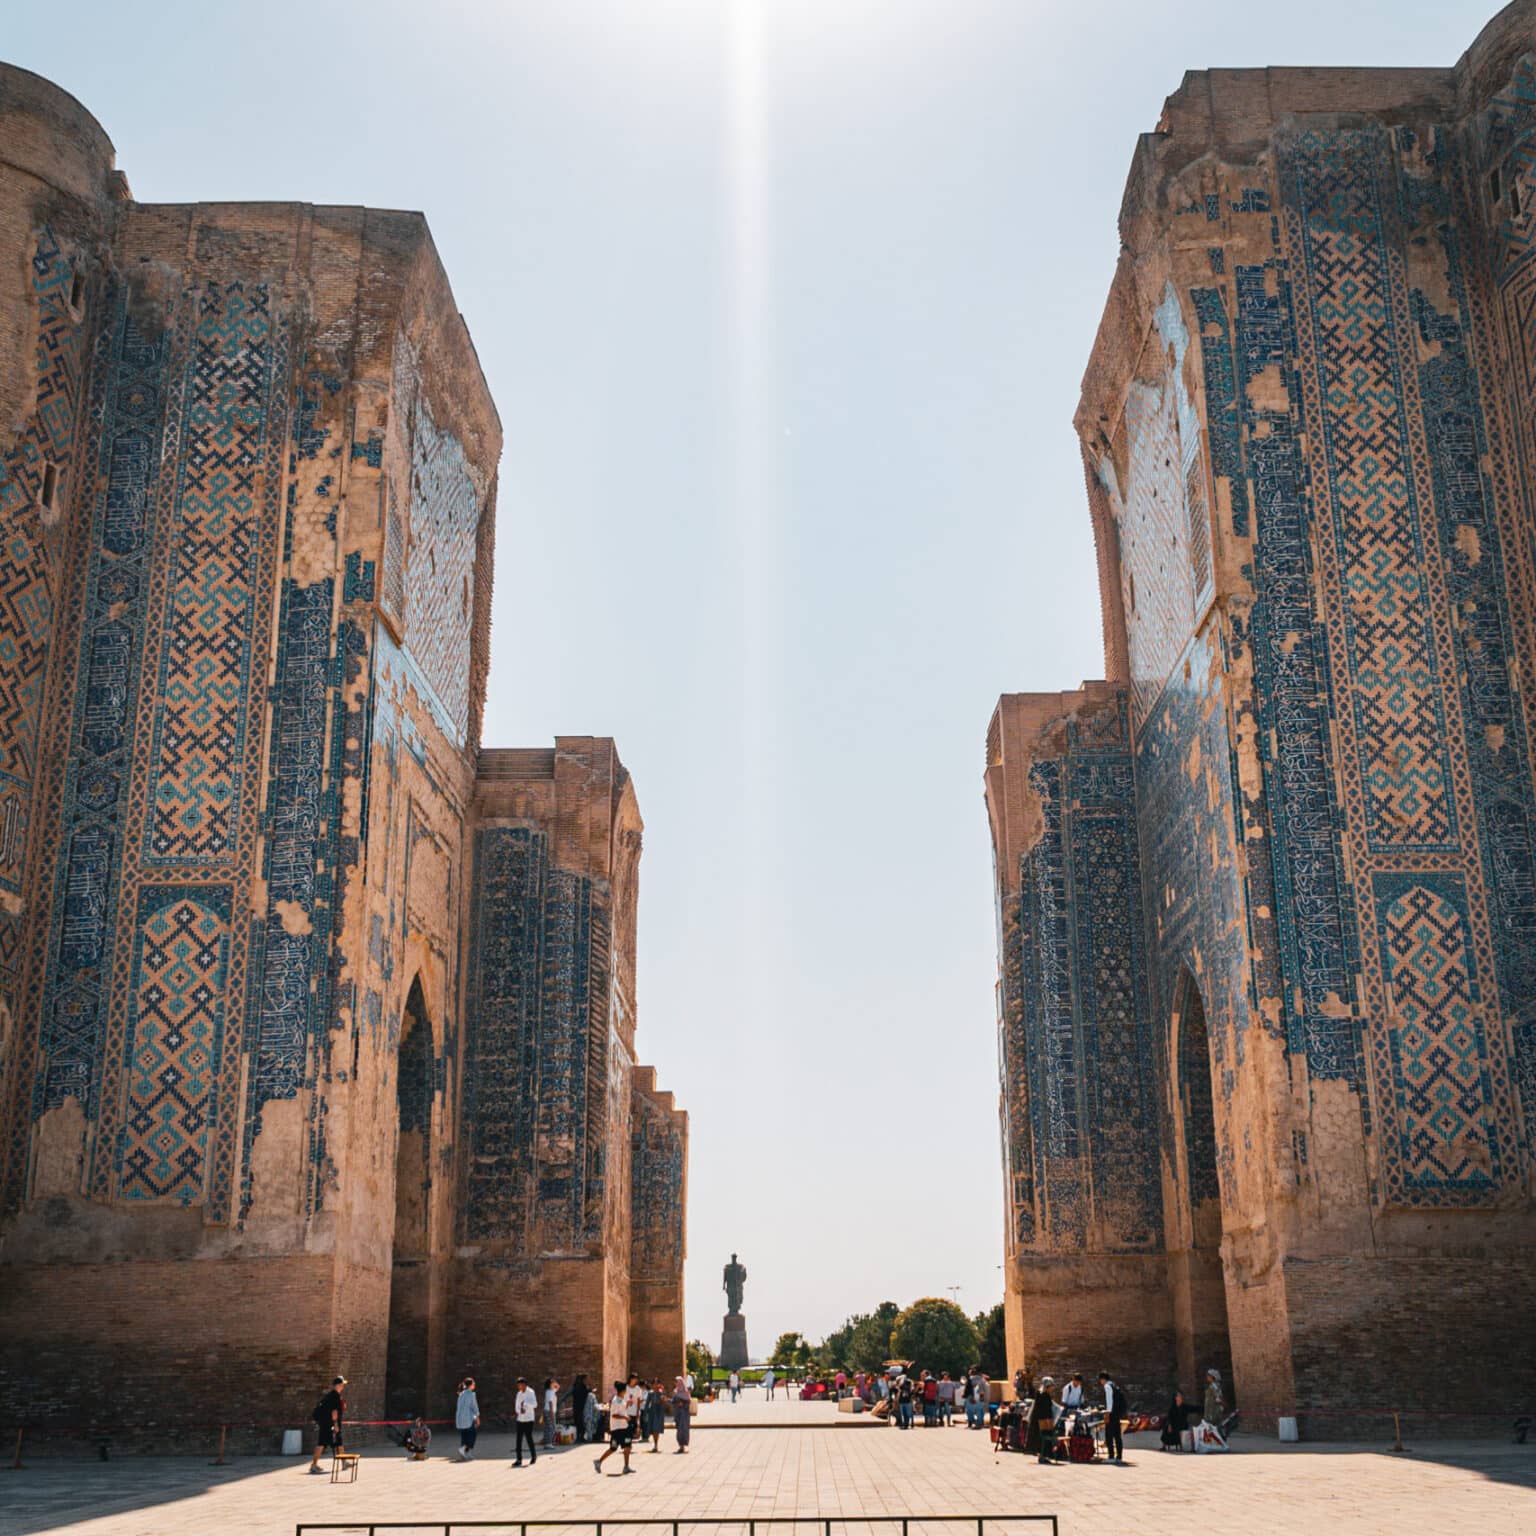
934 1333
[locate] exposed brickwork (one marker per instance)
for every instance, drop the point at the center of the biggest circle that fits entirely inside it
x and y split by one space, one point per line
658 1245
1303 426
248 1089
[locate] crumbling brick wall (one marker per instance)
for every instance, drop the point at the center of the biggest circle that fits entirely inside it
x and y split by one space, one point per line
1303 428
247 487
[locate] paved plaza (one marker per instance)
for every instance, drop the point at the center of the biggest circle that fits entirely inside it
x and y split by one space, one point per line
795 1467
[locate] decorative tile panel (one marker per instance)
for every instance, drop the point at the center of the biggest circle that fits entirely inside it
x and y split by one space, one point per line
176 1030
205 654
26 584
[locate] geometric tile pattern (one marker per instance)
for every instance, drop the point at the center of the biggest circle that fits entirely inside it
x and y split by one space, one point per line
657 1168
1163 517
1076 1024
291 957
539 1049
205 658
440 571
26 598
1395 513
122 455
1438 1051
1400 725
177 1034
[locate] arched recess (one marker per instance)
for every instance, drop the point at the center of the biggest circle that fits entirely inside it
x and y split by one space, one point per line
1194 1219
410 1290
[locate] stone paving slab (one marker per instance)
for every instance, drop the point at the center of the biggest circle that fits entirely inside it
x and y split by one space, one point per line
1303 1490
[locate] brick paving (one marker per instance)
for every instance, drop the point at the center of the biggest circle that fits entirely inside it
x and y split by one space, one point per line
790 1468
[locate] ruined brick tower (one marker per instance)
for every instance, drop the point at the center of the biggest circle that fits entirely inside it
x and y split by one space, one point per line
1267 895
295 1075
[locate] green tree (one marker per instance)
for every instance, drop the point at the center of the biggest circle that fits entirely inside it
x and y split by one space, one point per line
701 1360
832 1352
869 1346
791 1349
992 1341
936 1335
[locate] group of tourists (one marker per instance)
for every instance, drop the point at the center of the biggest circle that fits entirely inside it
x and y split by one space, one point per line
633 1410
1062 1427
636 1408
934 1395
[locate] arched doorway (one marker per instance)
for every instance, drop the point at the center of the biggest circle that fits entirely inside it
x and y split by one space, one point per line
1194 1234
410 1289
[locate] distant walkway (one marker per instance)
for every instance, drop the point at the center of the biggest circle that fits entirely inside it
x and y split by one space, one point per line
1282 1490
754 1411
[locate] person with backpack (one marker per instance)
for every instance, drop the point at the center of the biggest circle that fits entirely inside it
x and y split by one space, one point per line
328 1414
466 1418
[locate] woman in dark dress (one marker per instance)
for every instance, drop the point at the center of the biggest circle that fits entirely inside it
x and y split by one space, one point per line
1176 1423
682 1407
1042 1422
653 1417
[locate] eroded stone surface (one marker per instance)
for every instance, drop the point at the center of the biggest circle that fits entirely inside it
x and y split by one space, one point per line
247 910
1268 894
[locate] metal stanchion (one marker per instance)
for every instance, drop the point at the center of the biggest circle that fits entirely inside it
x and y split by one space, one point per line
218 1461
1397 1434
15 1465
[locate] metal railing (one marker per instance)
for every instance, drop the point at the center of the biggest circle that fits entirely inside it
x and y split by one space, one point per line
751 1523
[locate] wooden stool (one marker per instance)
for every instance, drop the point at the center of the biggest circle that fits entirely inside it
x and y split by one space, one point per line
344 1461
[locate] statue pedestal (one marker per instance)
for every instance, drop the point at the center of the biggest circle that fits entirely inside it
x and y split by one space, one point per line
733 1343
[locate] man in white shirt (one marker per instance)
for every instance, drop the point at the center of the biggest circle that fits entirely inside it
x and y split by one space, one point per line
768 1381
525 1407
1072 1395
620 1430
735 1385
1114 1412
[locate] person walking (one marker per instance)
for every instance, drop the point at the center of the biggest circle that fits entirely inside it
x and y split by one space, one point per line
1114 1414
551 1410
768 1380
682 1415
904 1402
619 1426
930 1400
580 1392
946 1399
735 1385
466 1418
328 1414
525 1408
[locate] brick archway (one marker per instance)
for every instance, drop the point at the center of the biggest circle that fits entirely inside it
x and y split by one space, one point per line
407 1358
1194 1223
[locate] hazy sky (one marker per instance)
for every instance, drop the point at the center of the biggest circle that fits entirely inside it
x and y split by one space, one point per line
784 304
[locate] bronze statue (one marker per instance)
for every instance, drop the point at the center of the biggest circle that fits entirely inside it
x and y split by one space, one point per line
735 1283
